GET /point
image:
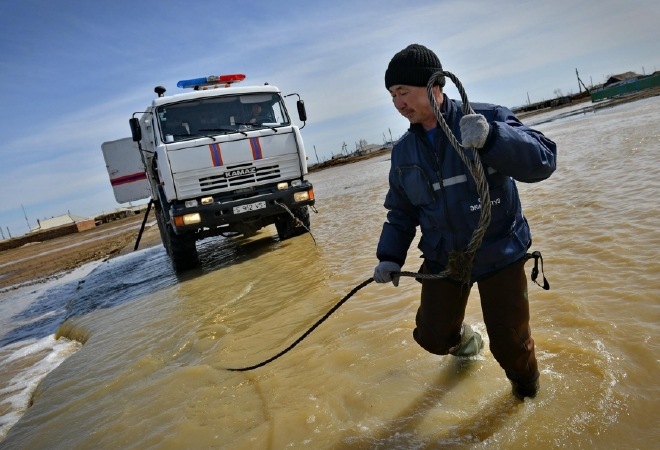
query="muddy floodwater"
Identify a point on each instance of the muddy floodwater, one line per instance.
(141, 356)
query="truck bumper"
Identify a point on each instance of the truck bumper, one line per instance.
(225, 213)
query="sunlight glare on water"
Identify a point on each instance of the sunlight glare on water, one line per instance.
(151, 371)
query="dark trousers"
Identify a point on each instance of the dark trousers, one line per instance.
(505, 308)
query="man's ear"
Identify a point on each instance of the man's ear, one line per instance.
(437, 93)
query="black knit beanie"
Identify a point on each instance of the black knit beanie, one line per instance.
(413, 66)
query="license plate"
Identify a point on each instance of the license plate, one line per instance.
(249, 207)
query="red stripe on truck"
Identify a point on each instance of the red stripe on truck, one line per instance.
(128, 178)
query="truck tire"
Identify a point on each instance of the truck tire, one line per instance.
(180, 248)
(288, 227)
(161, 224)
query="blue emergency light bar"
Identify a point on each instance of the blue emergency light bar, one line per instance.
(211, 81)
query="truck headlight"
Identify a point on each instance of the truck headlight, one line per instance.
(191, 203)
(282, 186)
(187, 219)
(303, 196)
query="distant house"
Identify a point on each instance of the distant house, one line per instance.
(76, 223)
(624, 84)
(613, 79)
(52, 228)
(120, 213)
(369, 148)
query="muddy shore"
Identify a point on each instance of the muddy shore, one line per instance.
(39, 261)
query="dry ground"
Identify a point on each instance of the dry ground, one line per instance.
(38, 261)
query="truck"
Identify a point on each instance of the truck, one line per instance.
(217, 159)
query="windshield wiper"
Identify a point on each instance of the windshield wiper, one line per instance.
(182, 137)
(257, 126)
(225, 130)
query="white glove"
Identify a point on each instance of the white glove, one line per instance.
(383, 273)
(474, 130)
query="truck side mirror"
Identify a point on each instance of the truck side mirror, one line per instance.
(136, 131)
(302, 114)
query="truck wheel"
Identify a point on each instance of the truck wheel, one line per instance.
(180, 248)
(288, 227)
(161, 224)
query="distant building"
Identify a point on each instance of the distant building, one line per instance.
(66, 224)
(50, 229)
(621, 77)
(120, 213)
(369, 148)
(71, 220)
(624, 84)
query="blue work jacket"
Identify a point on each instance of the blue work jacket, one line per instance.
(431, 187)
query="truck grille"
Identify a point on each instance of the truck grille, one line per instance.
(213, 180)
(229, 181)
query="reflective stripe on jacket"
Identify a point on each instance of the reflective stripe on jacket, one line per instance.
(433, 189)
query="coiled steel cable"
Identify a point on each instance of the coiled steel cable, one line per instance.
(460, 262)
(459, 266)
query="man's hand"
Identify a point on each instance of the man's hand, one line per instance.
(383, 273)
(474, 130)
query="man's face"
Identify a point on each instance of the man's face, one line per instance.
(412, 102)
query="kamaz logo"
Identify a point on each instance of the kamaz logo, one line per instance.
(240, 172)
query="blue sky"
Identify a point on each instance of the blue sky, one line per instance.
(72, 72)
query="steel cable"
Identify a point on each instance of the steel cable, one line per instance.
(460, 262)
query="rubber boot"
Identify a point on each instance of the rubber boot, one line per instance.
(530, 388)
(470, 344)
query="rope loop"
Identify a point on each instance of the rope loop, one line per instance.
(459, 265)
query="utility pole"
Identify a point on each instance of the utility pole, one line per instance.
(3, 234)
(580, 83)
(26, 219)
(317, 155)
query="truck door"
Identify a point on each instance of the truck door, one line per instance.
(126, 170)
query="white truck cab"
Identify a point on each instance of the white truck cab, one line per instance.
(216, 159)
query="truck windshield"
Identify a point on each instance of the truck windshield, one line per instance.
(220, 115)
